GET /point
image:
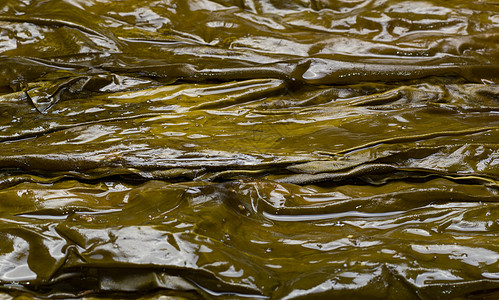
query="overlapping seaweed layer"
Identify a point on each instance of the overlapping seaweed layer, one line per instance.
(249, 149)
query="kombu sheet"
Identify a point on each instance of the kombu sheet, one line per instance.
(263, 149)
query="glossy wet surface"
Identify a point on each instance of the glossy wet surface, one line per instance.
(249, 149)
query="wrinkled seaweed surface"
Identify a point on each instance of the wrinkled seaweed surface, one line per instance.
(282, 149)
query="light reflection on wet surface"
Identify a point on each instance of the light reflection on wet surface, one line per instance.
(249, 149)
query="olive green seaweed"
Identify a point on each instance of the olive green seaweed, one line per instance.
(256, 149)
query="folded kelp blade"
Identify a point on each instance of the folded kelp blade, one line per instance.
(233, 129)
(111, 238)
(48, 93)
(120, 98)
(315, 71)
(383, 40)
(249, 149)
(53, 84)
